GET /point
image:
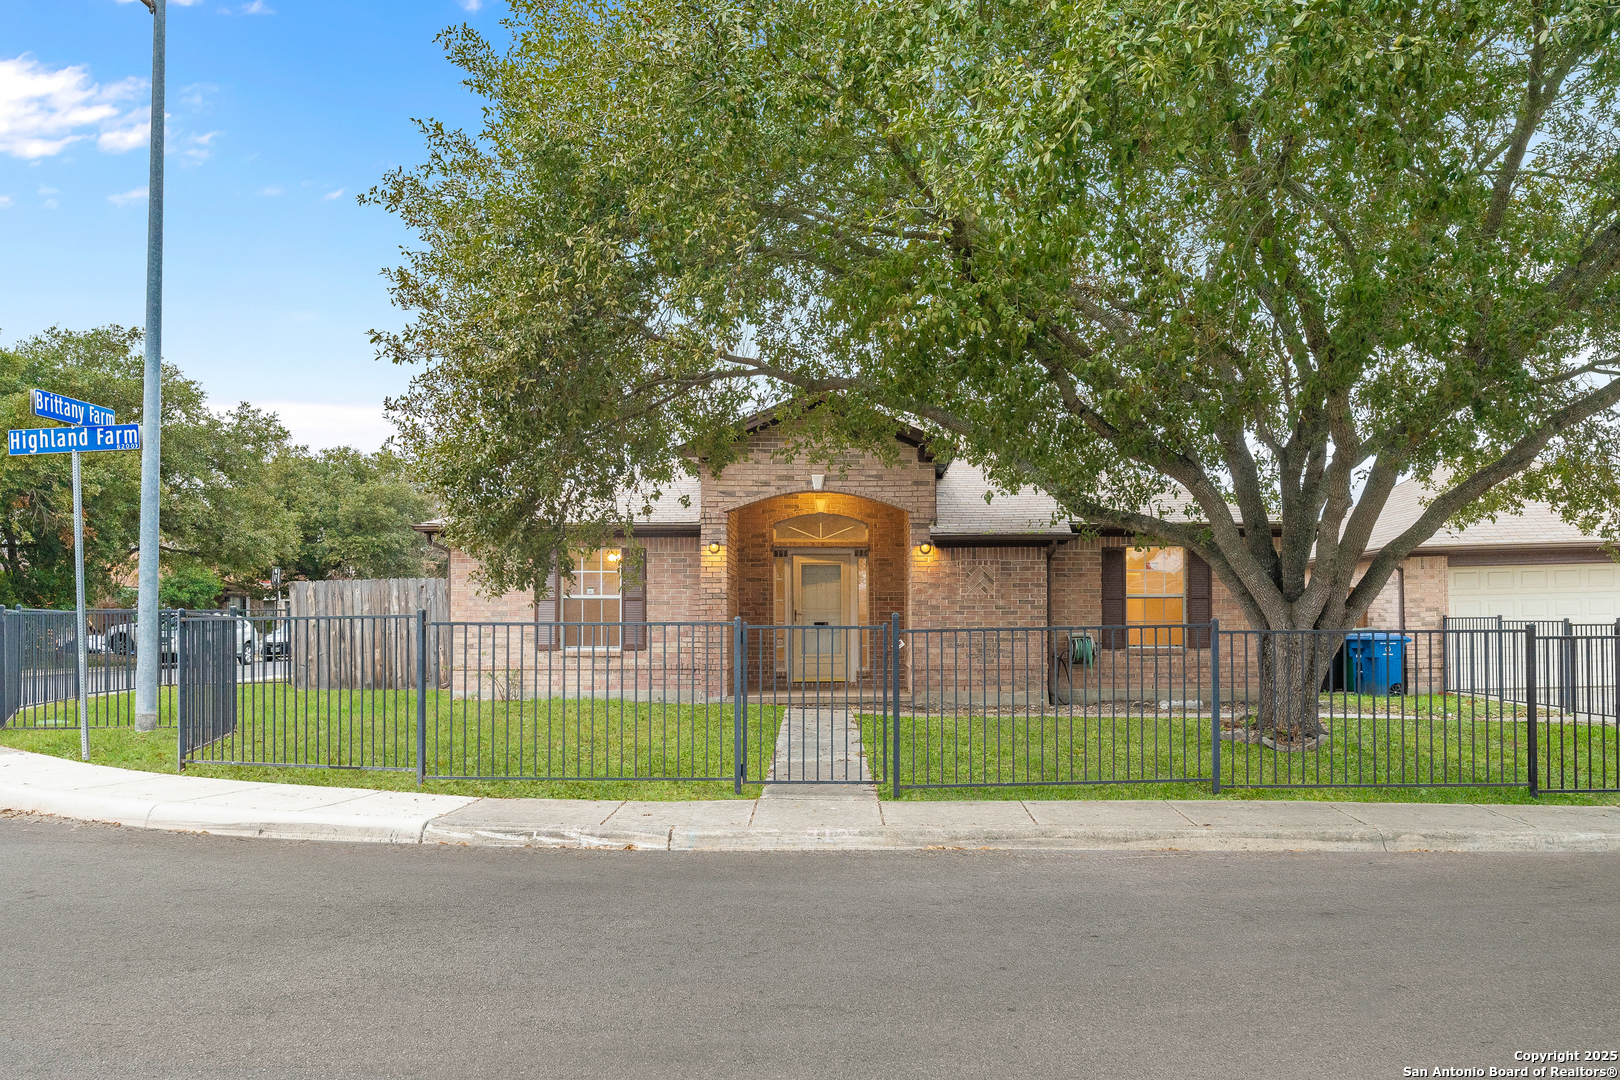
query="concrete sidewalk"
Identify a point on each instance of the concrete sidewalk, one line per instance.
(809, 818)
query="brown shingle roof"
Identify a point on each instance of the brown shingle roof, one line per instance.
(1537, 526)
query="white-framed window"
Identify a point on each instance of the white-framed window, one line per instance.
(593, 594)
(1155, 594)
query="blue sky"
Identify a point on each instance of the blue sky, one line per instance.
(279, 113)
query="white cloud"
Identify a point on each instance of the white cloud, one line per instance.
(470, 5)
(42, 112)
(5, 201)
(273, 189)
(319, 424)
(338, 194)
(43, 190)
(199, 147)
(257, 7)
(137, 131)
(124, 198)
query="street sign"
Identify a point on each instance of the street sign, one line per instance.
(69, 410)
(65, 440)
(95, 431)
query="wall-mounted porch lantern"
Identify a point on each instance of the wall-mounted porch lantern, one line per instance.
(925, 548)
(818, 481)
(714, 547)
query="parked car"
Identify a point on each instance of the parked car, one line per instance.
(93, 642)
(276, 645)
(121, 639)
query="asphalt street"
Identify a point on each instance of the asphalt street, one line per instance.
(153, 955)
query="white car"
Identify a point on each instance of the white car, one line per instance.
(275, 645)
(121, 639)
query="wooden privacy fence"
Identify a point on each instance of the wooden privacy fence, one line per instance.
(332, 650)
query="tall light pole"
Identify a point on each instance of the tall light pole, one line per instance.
(148, 650)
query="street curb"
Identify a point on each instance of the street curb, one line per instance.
(1028, 838)
(219, 820)
(340, 821)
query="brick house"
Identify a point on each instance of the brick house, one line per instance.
(782, 542)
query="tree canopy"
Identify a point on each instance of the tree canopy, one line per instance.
(1272, 254)
(238, 495)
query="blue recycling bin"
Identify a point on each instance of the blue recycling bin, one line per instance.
(1379, 658)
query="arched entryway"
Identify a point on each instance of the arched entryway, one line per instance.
(819, 559)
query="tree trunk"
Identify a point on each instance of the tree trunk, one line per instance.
(1293, 667)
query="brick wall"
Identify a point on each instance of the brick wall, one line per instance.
(1077, 583)
(674, 578)
(979, 587)
(1427, 595)
(469, 604)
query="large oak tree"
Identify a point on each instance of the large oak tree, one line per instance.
(1218, 272)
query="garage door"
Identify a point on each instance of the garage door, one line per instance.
(1580, 592)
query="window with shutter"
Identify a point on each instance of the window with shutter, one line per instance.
(1113, 597)
(546, 635)
(1155, 595)
(633, 605)
(1200, 607)
(592, 601)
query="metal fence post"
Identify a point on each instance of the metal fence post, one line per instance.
(739, 688)
(1566, 669)
(182, 698)
(1614, 673)
(421, 696)
(894, 697)
(1215, 705)
(1530, 663)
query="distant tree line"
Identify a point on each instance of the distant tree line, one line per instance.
(239, 496)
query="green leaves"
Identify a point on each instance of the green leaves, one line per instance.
(1247, 249)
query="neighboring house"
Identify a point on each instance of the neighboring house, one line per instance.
(1531, 565)
(780, 542)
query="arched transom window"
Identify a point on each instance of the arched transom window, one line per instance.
(821, 529)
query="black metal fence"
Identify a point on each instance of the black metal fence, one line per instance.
(39, 679)
(1014, 707)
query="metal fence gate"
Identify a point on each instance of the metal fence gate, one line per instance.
(207, 679)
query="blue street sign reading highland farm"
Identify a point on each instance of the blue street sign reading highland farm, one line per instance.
(65, 440)
(70, 411)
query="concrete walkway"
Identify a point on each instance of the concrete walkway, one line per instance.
(820, 780)
(820, 817)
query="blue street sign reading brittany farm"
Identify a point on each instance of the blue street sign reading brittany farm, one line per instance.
(69, 410)
(65, 440)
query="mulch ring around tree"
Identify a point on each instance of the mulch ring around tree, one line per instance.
(1246, 729)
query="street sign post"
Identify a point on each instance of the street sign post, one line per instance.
(95, 430)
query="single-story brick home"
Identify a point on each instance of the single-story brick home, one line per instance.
(781, 542)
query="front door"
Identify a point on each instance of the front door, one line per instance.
(822, 587)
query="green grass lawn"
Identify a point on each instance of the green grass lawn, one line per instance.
(583, 749)
(1420, 706)
(1112, 757)
(529, 749)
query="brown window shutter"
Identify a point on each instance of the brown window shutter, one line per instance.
(633, 606)
(1198, 602)
(547, 613)
(1113, 597)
